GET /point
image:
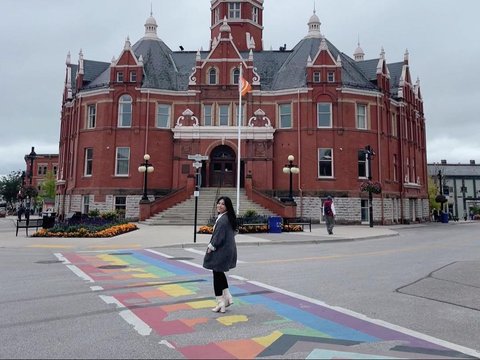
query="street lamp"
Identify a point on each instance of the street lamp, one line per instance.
(30, 157)
(145, 168)
(369, 153)
(291, 169)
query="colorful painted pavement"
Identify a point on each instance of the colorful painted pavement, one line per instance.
(171, 298)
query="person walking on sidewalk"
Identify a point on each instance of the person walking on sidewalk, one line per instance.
(328, 211)
(221, 255)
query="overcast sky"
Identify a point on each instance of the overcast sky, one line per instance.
(440, 35)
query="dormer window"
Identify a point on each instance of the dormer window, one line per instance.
(234, 10)
(255, 13)
(212, 76)
(120, 76)
(331, 76)
(316, 77)
(133, 76)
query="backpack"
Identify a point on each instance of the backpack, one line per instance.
(328, 208)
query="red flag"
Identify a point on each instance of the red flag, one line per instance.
(244, 86)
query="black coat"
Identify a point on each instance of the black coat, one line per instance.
(224, 257)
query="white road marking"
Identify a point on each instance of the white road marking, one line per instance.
(167, 344)
(61, 258)
(138, 324)
(195, 251)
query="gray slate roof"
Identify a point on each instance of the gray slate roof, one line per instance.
(278, 70)
(451, 170)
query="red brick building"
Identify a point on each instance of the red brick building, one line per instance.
(312, 101)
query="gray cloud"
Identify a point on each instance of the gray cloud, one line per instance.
(36, 36)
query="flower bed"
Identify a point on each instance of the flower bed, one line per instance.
(251, 229)
(86, 231)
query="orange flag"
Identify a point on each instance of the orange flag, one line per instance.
(244, 86)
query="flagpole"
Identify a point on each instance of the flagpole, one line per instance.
(239, 122)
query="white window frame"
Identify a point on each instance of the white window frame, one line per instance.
(122, 159)
(88, 167)
(331, 76)
(119, 206)
(235, 10)
(235, 76)
(323, 154)
(91, 116)
(133, 76)
(85, 204)
(255, 14)
(221, 114)
(394, 125)
(285, 114)
(362, 118)
(244, 114)
(319, 115)
(217, 15)
(119, 76)
(164, 118)
(317, 76)
(208, 114)
(212, 75)
(125, 111)
(362, 162)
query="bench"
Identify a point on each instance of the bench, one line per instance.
(298, 221)
(29, 224)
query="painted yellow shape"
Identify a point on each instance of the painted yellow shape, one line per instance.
(144, 276)
(134, 269)
(126, 246)
(46, 246)
(232, 319)
(114, 260)
(175, 290)
(202, 304)
(269, 339)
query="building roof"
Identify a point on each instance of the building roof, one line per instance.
(451, 170)
(278, 70)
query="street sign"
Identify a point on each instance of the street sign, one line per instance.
(197, 165)
(197, 157)
(196, 193)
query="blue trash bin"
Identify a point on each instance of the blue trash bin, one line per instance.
(444, 218)
(274, 224)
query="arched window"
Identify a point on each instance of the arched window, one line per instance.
(125, 111)
(212, 76)
(235, 76)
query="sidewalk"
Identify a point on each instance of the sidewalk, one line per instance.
(151, 236)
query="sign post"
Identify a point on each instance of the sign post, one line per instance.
(197, 164)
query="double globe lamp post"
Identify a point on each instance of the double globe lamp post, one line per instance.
(145, 168)
(291, 169)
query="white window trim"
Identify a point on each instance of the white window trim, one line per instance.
(86, 163)
(116, 161)
(233, 10)
(366, 166)
(280, 116)
(120, 112)
(318, 116)
(216, 76)
(331, 162)
(169, 116)
(219, 106)
(357, 116)
(212, 117)
(90, 117)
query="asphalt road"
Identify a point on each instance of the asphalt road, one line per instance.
(63, 304)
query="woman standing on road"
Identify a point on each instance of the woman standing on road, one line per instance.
(221, 254)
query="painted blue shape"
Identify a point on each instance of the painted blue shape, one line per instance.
(332, 329)
(177, 270)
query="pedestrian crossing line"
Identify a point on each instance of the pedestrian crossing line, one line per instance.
(265, 321)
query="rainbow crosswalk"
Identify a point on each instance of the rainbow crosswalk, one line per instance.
(170, 298)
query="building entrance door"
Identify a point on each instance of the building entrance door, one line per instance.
(222, 167)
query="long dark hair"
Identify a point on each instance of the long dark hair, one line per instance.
(232, 218)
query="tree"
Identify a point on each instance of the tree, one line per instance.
(432, 194)
(48, 187)
(10, 186)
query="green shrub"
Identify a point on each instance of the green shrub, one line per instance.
(109, 215)
(94, 213)
(250, 213)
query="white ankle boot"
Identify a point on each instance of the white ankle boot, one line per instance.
(220, 305)
(228, 298)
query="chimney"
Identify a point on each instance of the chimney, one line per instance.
(472, 162)
(443, 162)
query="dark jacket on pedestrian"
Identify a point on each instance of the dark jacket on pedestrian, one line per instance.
(224, 257)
